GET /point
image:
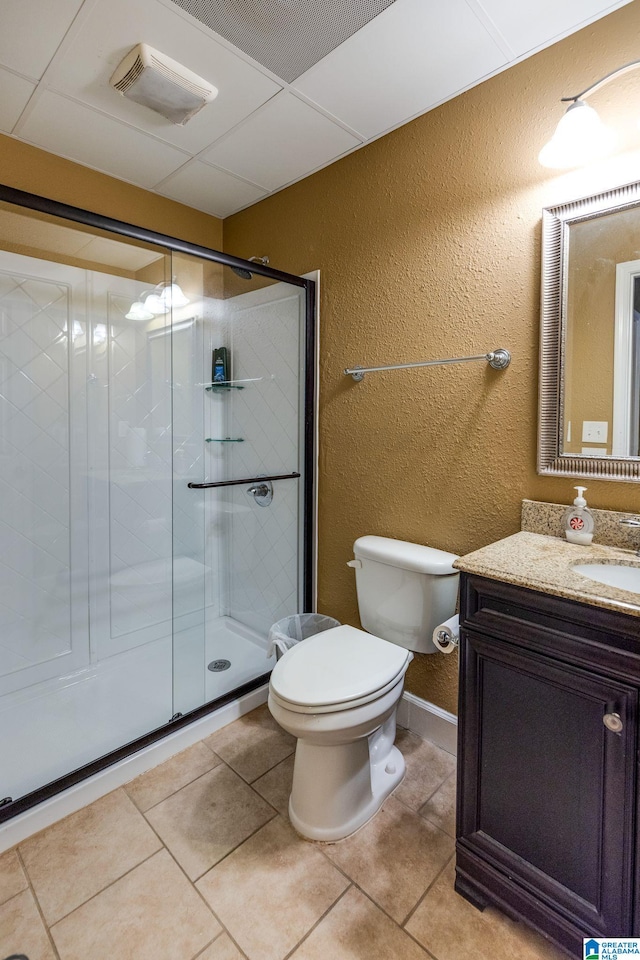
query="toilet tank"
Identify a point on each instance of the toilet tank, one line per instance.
(404, 590)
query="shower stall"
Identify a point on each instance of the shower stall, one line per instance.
(156, 485)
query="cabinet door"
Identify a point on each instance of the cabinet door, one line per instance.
(546, 789)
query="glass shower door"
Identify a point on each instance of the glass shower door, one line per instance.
(239, 400)
(85, 507)
(155, 511)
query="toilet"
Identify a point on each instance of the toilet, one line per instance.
(338, 691)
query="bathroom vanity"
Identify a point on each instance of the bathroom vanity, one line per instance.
(547, 817)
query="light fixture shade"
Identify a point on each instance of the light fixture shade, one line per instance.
(138, 311)
(173, 297)
(165, 297)
(579, 138)
(155, 305)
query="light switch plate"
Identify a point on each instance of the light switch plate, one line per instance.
(594, 431)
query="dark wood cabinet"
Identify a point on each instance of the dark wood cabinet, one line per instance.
(547, 773)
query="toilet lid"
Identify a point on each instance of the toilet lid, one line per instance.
(337, 666)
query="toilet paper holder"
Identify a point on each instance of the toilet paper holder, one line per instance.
(446, 635)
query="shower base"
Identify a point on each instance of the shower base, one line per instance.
(226, 639)
(53, 728)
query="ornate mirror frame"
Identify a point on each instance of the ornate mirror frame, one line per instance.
(555, 258)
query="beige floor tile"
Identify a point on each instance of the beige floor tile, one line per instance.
(151, 914)
(158, 784)
(394, 857)
(427, 767)
(253, 744)
(205, 820)
(355, 929)
(22, 929)
(82, 854)
(275, 786)
(270, 891)
(440, 809)
(12, 878)
(452, 929)
(222, 949)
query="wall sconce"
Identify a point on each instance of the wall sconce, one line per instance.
(138, 311)
(581, 136)
(163, 298)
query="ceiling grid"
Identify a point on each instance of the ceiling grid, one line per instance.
(301, 83)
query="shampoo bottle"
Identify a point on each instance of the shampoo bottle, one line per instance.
(578, 520)
(220, 366)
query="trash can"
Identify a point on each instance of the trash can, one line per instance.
(291, 630)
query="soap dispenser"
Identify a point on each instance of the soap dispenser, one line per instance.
(578, 520)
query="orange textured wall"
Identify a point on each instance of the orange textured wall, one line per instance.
(27, 168)
(428, 242)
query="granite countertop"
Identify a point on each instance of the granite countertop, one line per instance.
(544, 563)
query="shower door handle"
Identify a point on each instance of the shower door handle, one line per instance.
(262, 493)
(260, 490)
(234, 483)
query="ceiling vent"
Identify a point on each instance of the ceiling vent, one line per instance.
(162, 84)
(285, 36)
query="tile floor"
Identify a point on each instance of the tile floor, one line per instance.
(196, 859)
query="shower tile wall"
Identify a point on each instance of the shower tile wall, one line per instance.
(34, 477)
(265, 330)
(154, 535)
(195, 568)
(85, 457)
(214, 505)
(137, 485)
(192, 582)
(35, 536)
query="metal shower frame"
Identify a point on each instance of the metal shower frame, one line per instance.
(20, 198)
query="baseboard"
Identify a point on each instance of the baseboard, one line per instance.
(73, 799)
(428, 721)
(419, 716)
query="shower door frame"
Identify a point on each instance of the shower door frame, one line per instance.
(45, 205)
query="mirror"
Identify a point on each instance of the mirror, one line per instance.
(589, 415)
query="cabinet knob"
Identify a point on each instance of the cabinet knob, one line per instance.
(613, 722)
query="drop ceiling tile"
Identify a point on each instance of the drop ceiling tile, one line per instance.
(113, 253)
(204, 187)
(110, 31)
(31, 32)
(71, 130)
(410, 57)
(15, 96)
(34, 234)
(526, 26)
(284, 140)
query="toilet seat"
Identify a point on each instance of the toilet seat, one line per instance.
(338, 669)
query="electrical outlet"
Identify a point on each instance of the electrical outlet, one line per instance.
(594, 431)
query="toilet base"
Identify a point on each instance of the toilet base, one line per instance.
(347, 791)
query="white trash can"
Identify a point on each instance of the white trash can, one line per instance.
(291, 630)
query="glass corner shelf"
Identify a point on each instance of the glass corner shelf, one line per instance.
(230, 385)
(224, 439)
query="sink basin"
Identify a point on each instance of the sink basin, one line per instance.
(613, 574)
